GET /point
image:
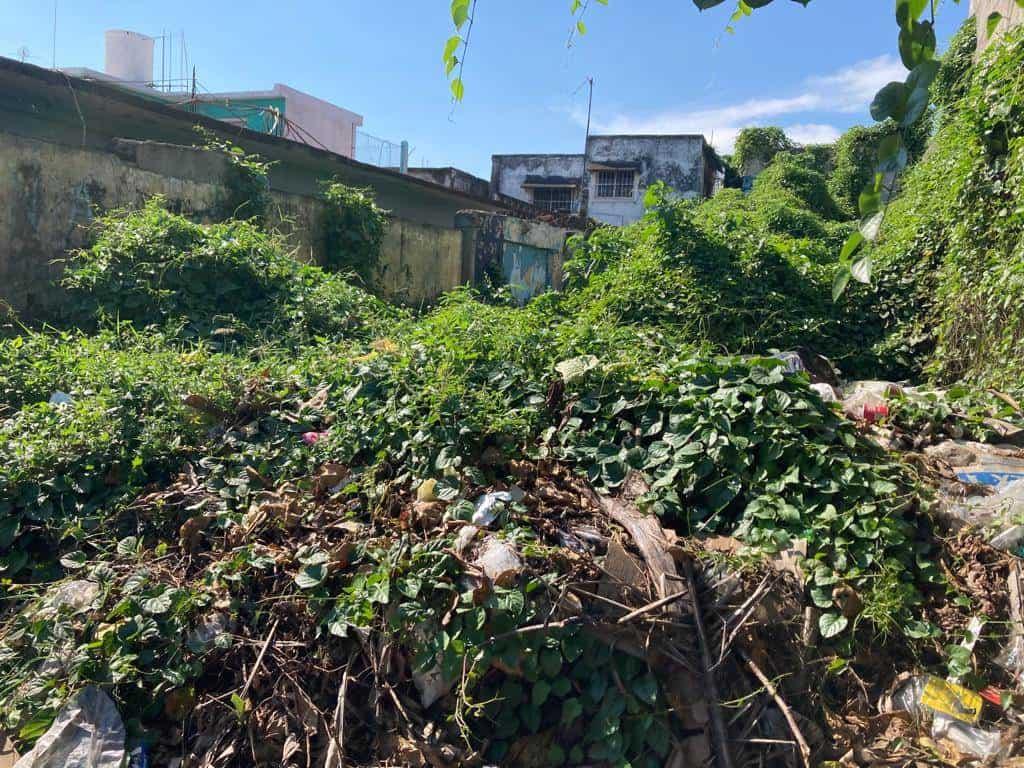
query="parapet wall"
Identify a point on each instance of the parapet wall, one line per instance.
(51, 192)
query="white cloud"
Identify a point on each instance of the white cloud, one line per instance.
(812, 133)
(851, 88)
(846, 90)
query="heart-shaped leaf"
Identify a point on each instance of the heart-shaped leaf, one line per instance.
(831, 624)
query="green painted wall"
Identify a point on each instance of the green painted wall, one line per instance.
(255, 112)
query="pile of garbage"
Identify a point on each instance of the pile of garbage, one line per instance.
(485, 535)
(530, 611)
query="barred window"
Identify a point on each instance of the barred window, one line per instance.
(615, 183)
(558, 199)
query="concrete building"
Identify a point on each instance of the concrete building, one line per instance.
(280, 111)
(609, 181)
(1011, 11)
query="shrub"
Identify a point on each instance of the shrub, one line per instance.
(820, 157)
(757, 147)
(792, 180)
(352, 229)
(856, 158)
(954, 76)
(981, 284)
(66, 468)
(245, 192)
(229, 280)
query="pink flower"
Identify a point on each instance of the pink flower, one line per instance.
(312, 438)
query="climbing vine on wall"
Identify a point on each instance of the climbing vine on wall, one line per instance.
(353, 230)
(760, 145)
(246, 185)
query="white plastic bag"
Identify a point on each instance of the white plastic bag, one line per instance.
(87, 733)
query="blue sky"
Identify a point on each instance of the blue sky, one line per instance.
(659, 66)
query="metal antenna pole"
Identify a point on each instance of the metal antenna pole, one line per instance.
(54, 34)
(585, 181)
(590, 104)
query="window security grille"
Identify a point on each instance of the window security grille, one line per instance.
(557, 199)
(615, 183)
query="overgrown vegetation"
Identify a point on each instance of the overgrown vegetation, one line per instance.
(227, 282)
(222, 441)
(449, 398)
(856, 155)
(245, 187)
(949, 249)
(352, 228)
(756, 147)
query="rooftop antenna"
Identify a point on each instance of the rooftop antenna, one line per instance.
(54, 34)
(585, 187)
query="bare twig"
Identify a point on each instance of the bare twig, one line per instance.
(536, 628)
(805, 751)
(259, 659)
(744, 612)
(718, 727)
(580, 592)
(336, 749)
(1006, 399)
(651, 607)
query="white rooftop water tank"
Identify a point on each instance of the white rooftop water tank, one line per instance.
(129, 56)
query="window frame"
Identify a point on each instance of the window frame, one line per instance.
(548, 205)
(610, 184)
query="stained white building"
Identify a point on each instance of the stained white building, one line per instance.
(609, 181)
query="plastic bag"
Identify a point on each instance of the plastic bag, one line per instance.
(866, 405)
(792, 362)
(87, 733)
(1011, 658)
(968, 738)
(953, 710)
(487, 509)
(827, 391)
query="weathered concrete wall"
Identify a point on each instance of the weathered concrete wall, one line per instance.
(528, 255)
(419, 262)
(682, 162)
(40, 104)
(453, 178)
(1012, 13)
(509, 172)
(676, 160)
(49, 193)
(69, 147)
(541, 236)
